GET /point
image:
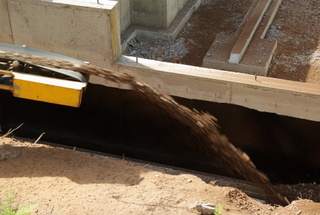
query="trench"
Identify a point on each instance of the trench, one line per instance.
(118, 122)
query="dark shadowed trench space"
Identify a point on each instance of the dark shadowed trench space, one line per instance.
(116, 121)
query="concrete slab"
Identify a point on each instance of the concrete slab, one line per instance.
(259, 52)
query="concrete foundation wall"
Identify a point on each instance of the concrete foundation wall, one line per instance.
(294, 99)
(81, 30)
(6, 34)
(91, 32)
(158, 14)
(173, 8)
(154, 14)
(125, 14)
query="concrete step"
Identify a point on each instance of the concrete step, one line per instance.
(255, 52)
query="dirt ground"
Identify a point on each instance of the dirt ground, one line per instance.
(62, 181)
(296, 29)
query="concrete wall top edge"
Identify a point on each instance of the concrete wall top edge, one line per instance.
(86, 33)
(220, 75)
(103, 4)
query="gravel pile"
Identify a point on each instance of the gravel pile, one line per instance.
(156, 49)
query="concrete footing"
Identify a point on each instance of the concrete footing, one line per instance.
(170, 33)
(283, 97)
(246, 51)
(247, 33)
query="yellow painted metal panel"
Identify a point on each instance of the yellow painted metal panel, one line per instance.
(2, 86)
(48, 90)
(6, 87)
(5, 72)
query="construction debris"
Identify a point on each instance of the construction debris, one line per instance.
(204, 208)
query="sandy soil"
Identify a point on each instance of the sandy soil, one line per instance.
(296, 28)
(63, 181)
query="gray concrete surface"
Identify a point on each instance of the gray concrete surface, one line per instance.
(83, 30)
(157, 14)
(125, 14)
(168, 34)
(149, 14)
(173, 8)
(283, 97)
(6, 32)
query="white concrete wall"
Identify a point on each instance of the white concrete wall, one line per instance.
(83, 30)
(295, 99)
